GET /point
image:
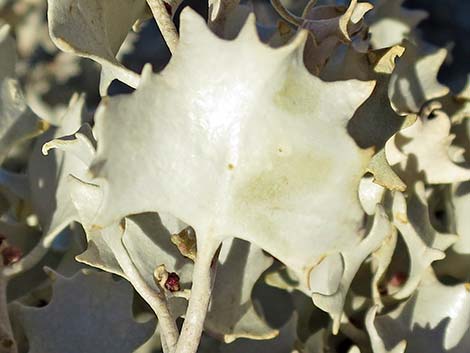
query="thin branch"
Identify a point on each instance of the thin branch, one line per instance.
(32, 258)
(7, 341)
(165, 23)
(156, 300)
(201, 290)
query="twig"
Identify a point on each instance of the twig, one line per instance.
(165, 23)
(32, 258)
(203, 279)
(156, 300)
(7, 341)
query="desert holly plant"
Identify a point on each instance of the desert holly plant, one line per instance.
(286, 177)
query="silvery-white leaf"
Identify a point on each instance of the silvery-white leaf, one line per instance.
(48, 175)
(377, 343)
(435, 319)
(17, 121)
(424, 147)
(370, 194)
(231, 313)
(246, 180)
(381, 259)
(391, 22)
(281, 344)
(414, 81)
(353, 258)
(94, 29)
(89, 312)
(424, 243)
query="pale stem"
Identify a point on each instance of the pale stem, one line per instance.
(127, 76)
(203, 279)
(165, 347)
(165, 23)
(285, 14)
(7, 341)
(32, 258)
(156, 300)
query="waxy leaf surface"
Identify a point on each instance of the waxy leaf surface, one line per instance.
(260, 154)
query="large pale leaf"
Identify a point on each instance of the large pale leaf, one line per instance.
(89, 312)
(257, 154)
(436, 314)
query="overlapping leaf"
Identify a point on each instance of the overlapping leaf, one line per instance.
(414, 81)
(424, 147)
(95, 29)
(424, 243)
(330, 26)
(48, 175)
(391, 22)
(146, 239)
(422, 319)
(17, 121)
(90, 312)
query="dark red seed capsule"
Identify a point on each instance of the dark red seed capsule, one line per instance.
(11, 254)
(173, 282)
(398, 279)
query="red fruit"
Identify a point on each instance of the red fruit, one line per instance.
(11, 254)
(398, 279)
(173, 282)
